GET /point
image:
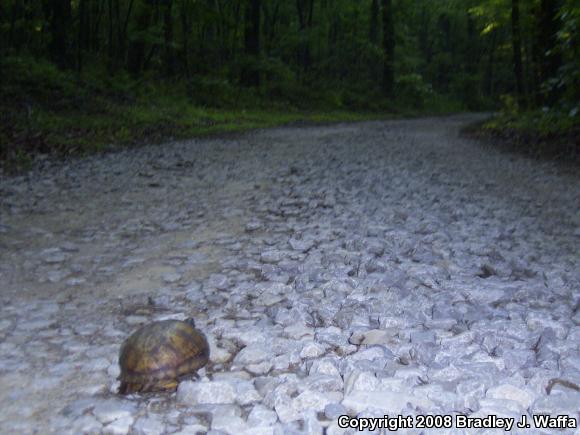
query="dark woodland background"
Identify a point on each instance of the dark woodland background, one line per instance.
(82, 75)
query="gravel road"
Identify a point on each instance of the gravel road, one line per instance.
(356, 269)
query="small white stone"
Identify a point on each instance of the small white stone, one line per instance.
(253, 226)
(334, 410)
(439, 395)
(268, 300)
(312, 350)
(505, 404)
(86, 424)
(78, 408)
(377, 336)
(246, 393)
(151, 425)
(229, 424)
(323, 383)
(371, 353)
(560, 403)
(96, 364)
(55, 276)
(388, 402)
(171, 277)
(271, 256)
(113, 409)
(410, 373)
(246, 337)
(281, 362)
(32, 325)
(524, 397)
(53, 256)
(423, 337)
(120, 426)
(361, 381)
(472, 390)
(217, 392)
(253, 354)
(262, 416)
(348, 349)
(136, 320)
(114, 370)
(301, 245)
(311, 424)
(191, 429)
(334, 429)
(259, 369)
(218, 281)
(311, 400)
(217, 354)
(233, 376)
(299, 331)
(286, 412)
(324, 366)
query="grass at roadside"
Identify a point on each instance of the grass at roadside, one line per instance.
(40, 131)
(540, 134)
(44, 110)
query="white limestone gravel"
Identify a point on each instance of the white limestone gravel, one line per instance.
(361, 269)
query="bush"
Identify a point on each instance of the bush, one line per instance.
(412, 90)
(40, 79)
(213, 92)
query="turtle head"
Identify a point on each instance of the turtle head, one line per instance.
(191, 321)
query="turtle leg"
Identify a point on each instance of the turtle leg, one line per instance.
(123, 388)
(129, 388)
(168, 385)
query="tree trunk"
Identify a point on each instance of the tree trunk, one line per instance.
(445, 48)
(251, 75)
(374, 65)
(490, 64)
(83, 29)
(471, 53)
(305, 9)
(124, 29)
(110, 47)
(169, 52)
(550, 59)
(96, 31)
(136, 55)
(59, 24)
(388, 49)
(185, 32)
(374, 25)
(271, 15)
(425, 40)
(16, 13)
(517, 52)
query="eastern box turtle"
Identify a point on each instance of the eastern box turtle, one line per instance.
(156, 356)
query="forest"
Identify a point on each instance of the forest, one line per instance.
(260, 217)
(80, 75)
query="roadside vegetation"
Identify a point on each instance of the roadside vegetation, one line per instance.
(48, 111)
(83, 76)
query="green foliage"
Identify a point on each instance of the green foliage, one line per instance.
(50, 118)
(214, 92)
(130, 69)
(568, 78)
(412, 90)
(510, 106)
(39, 79)
(538, 133)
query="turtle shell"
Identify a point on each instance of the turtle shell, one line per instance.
(156, 356)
